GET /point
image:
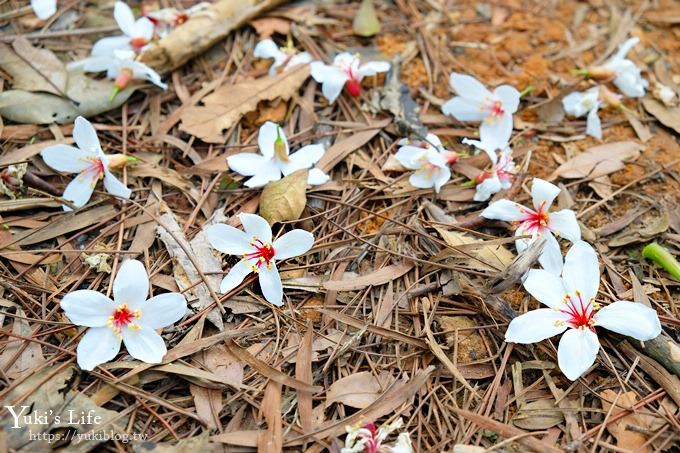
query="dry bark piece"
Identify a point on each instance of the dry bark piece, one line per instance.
(228, 103)
(202, 31)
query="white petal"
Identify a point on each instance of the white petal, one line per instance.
(107, 46)
(433, 141)
(305, 157)
(546, 288)
(131, 285)
(298, 59)
(124, 18)
(581, 271)
(44, 8)
(487, 188)
(269, 133)
(410, 156)
(248, 164)
(98, 345)
(464, 109)
(270, 283)
(67, 159)
(594, 125)
(440, 177)
(142, 28)
(564, 223)
(422, 179)
(506, 210)
(624, 48)
(316, 177)
(142, 71)
(266, 49)
(256, 227)
(573, 104)
(631, 83)
(87, 308)
(114, 186)
(144, 344)
(631, 319)
(85, 135)
(536, 325)
(509, 97)
(163, 310)
(228, 239)
(496, 131)
(543, 194)
(331, 78)
(93, 64)
(80, 189)
(551, 256)
(293, 243)
(371, 68)
(577, 352)
(468, 87)
(235, 276)
(267, 172)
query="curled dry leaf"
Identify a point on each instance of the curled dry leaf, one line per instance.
(668, 116)
(33, 69)
(599, 160)
(366, 21)
(489, 257)
(284, 199)
(379, 277)
(228, 103)
(358, 390)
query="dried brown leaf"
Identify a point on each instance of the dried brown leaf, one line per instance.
(599, 160)
(284, 199)
(668, 116)
(379, 277)
(358, 390)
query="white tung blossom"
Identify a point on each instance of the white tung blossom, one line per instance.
(136, 33)
(588, 102)
(88, 161)
(259, 253)
(473, 102)
(346, 71)
(538, 221)
(121, 67)
(501, 173)
(129, 318)
(284, 58)
(368, 438)
(572, 308)
(627, 76)
(276, 160)
(430, 161)
(44, 9)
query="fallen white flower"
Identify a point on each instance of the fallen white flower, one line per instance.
(477, 104)
(275, 159)
(128, 317)
(346, 71)
(430, 161)
(501, 173)
(44, 9)
(136, 33)
(572, 307)
(588, 102)
(284, 57)
(259, 253)
(89, 161)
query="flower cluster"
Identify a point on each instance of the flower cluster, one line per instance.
(117, 55)
(625, 75)
(370, 439)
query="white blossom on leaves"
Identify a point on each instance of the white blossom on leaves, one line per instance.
(129, 318)
(627, 76)
(502, 171)
(136, 33)
(473, 102)
(275, 159)
(430, 161)
(588, 102)
(44, 9)
(88, 161)
(368, 438)
(258, 251)
(346, 71)
(538, 221)
(284, 57)
(572, 308)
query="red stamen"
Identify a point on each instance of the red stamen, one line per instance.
(535, 221)
(496, 108)
(353, 87)
(122, 317)
(263, 254)
(581, 314)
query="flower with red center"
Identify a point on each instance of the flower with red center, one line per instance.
(284, 58)
(166, 19)
(572, 307)
(501, 173)
(259, 254)
(538, 221)
(136, 33)
(370, 439)
(430, 161)
(477, 104)
(89, 161)
(129, 318)
(346, 71)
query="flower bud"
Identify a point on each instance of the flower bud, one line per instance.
(120, 160)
